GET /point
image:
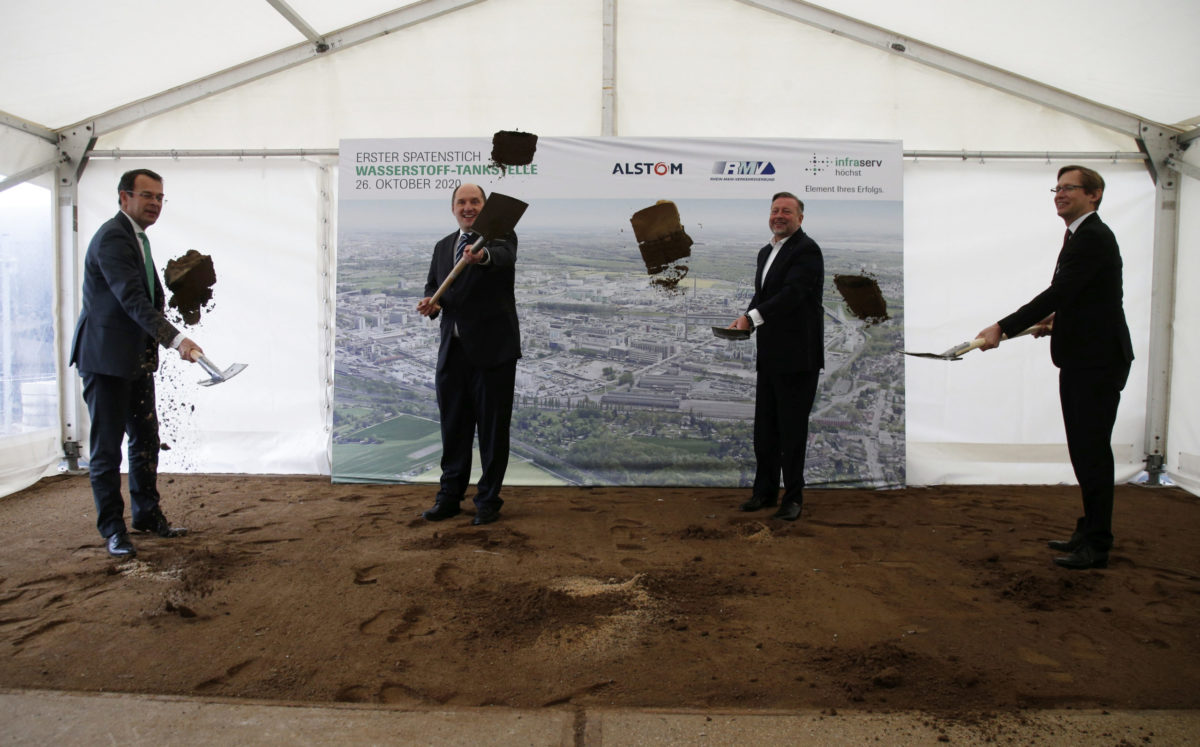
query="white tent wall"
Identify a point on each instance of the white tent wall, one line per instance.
(981, 239)
(264, 222)
(30, 443)
(1183, 430)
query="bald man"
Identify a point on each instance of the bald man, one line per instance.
(477, 359)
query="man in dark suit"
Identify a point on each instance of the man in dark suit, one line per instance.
(115, 350)
(1090, 344)
(477, 359)
(786, 314)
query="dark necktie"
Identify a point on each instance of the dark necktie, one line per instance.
(1058, 264)
(463, 241)
(149, 264)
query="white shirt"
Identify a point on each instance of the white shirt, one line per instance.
(776, 244)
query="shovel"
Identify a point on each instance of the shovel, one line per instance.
(725, 333)
(216, 375)
(958, 351)
(499, 216)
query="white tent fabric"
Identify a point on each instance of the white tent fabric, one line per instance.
(680, 68)
(1183, 433)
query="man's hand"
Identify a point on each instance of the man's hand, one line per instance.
(426, 307)
(1044, 327)
(186, 346)
(742, 322)
(474, 258)
(991, 337)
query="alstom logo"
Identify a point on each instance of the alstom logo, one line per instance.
(648, 169)
(743, 168)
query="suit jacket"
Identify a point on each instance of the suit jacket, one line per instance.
(1085, 297)
(792, 336)
(118, 325)
(481, 302)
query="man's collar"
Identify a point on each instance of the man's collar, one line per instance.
(136, 228)
(1075, 224)
(785, 239)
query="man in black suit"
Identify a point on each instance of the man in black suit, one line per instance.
(1090, 344)
(787, 315)
(115, 350)
(477, 359)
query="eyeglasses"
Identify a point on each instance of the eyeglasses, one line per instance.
(160, 197)
(1068, 188)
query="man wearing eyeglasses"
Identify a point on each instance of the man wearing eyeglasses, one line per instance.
(115, 350)
(1090, 344)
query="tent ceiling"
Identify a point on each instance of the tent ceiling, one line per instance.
(62, 67)
(1137, 57)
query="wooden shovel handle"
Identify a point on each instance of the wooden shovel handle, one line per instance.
(456, 270)
(978, 341)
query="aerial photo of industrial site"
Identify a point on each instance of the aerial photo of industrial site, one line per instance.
(622, 381)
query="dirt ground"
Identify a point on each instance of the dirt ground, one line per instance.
(290, 588)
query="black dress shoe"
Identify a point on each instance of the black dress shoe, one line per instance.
(442, 510)
(1083, 558)
(757, 501)
(158, 524)
(485, 516)
(787, 512)
(119, 546)
(1070, 545)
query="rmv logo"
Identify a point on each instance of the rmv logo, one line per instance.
(743, 168)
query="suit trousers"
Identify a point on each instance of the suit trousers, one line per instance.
(468, 397)
(122, 407)
(782, 404)
(1089, 398)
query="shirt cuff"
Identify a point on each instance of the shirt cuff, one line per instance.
(755, 317)
(179, 338)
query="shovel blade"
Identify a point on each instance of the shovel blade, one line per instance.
(935, 356)
(499, 215)
(225, 375)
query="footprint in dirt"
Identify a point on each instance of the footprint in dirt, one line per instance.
(628, 535)
(392, 693)
(449, 576)
(1082, 646)
(231, 674)
(392, 623)
(331, 523)
(366, 575)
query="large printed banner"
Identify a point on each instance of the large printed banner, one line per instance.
(622, 380)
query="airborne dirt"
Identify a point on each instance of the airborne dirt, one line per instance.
(663, 244)
(513, 148)
(292, 589)
(863, 297)
(190, 279)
